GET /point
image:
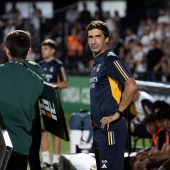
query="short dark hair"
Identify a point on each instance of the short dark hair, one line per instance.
(18, 43)
(49, 42)
(159, 104)
(148, 119)
(99, 25)
(164, 114)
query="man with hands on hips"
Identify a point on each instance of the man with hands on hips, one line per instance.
(111, 91)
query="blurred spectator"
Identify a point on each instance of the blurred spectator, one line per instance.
(139, 62)
(56, 34)
(116, 44)
(97, 15)
(36, 18)
(116, 19)
(161, 33)
(19, 24)
(141, 28)
(10, 26)
(129, 36)
(163, 17)
(154, 60)
(130, 46)
(145, 39)
(36, 21)
(87, 58)
(28, 26)
(125, 23)
(72, 14)
(163, 21)
(109, 21)
(128, 60)
(166, 64)
(149, 21)
(74, 49)
(85, 16)
(129, 52)
(153, 27)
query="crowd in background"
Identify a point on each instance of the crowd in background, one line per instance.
(143, 48)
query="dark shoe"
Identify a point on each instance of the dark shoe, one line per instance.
(55, 166)
(45, 165)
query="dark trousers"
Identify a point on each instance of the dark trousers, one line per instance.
(17, 161)
(34, 159)
(109, 145)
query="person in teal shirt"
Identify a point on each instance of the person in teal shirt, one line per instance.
(20, 89)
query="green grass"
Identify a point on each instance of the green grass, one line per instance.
(141, 143)
(65, 145)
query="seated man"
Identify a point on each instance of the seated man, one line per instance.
(157, 140)
(159, 155)
(141, 106)
(163, 156)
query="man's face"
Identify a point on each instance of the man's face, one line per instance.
(151, 127)
(97, 41)
(47, 52)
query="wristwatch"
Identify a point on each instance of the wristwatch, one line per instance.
(120, 112)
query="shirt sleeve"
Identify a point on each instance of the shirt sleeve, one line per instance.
(161, 139)
(116, 69)
(62, 76)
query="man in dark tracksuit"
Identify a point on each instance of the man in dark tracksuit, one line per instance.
(111, 91)
(55, 74)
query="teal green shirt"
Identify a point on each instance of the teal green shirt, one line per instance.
(20, 89)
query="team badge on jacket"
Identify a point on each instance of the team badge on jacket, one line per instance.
(98, 67)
